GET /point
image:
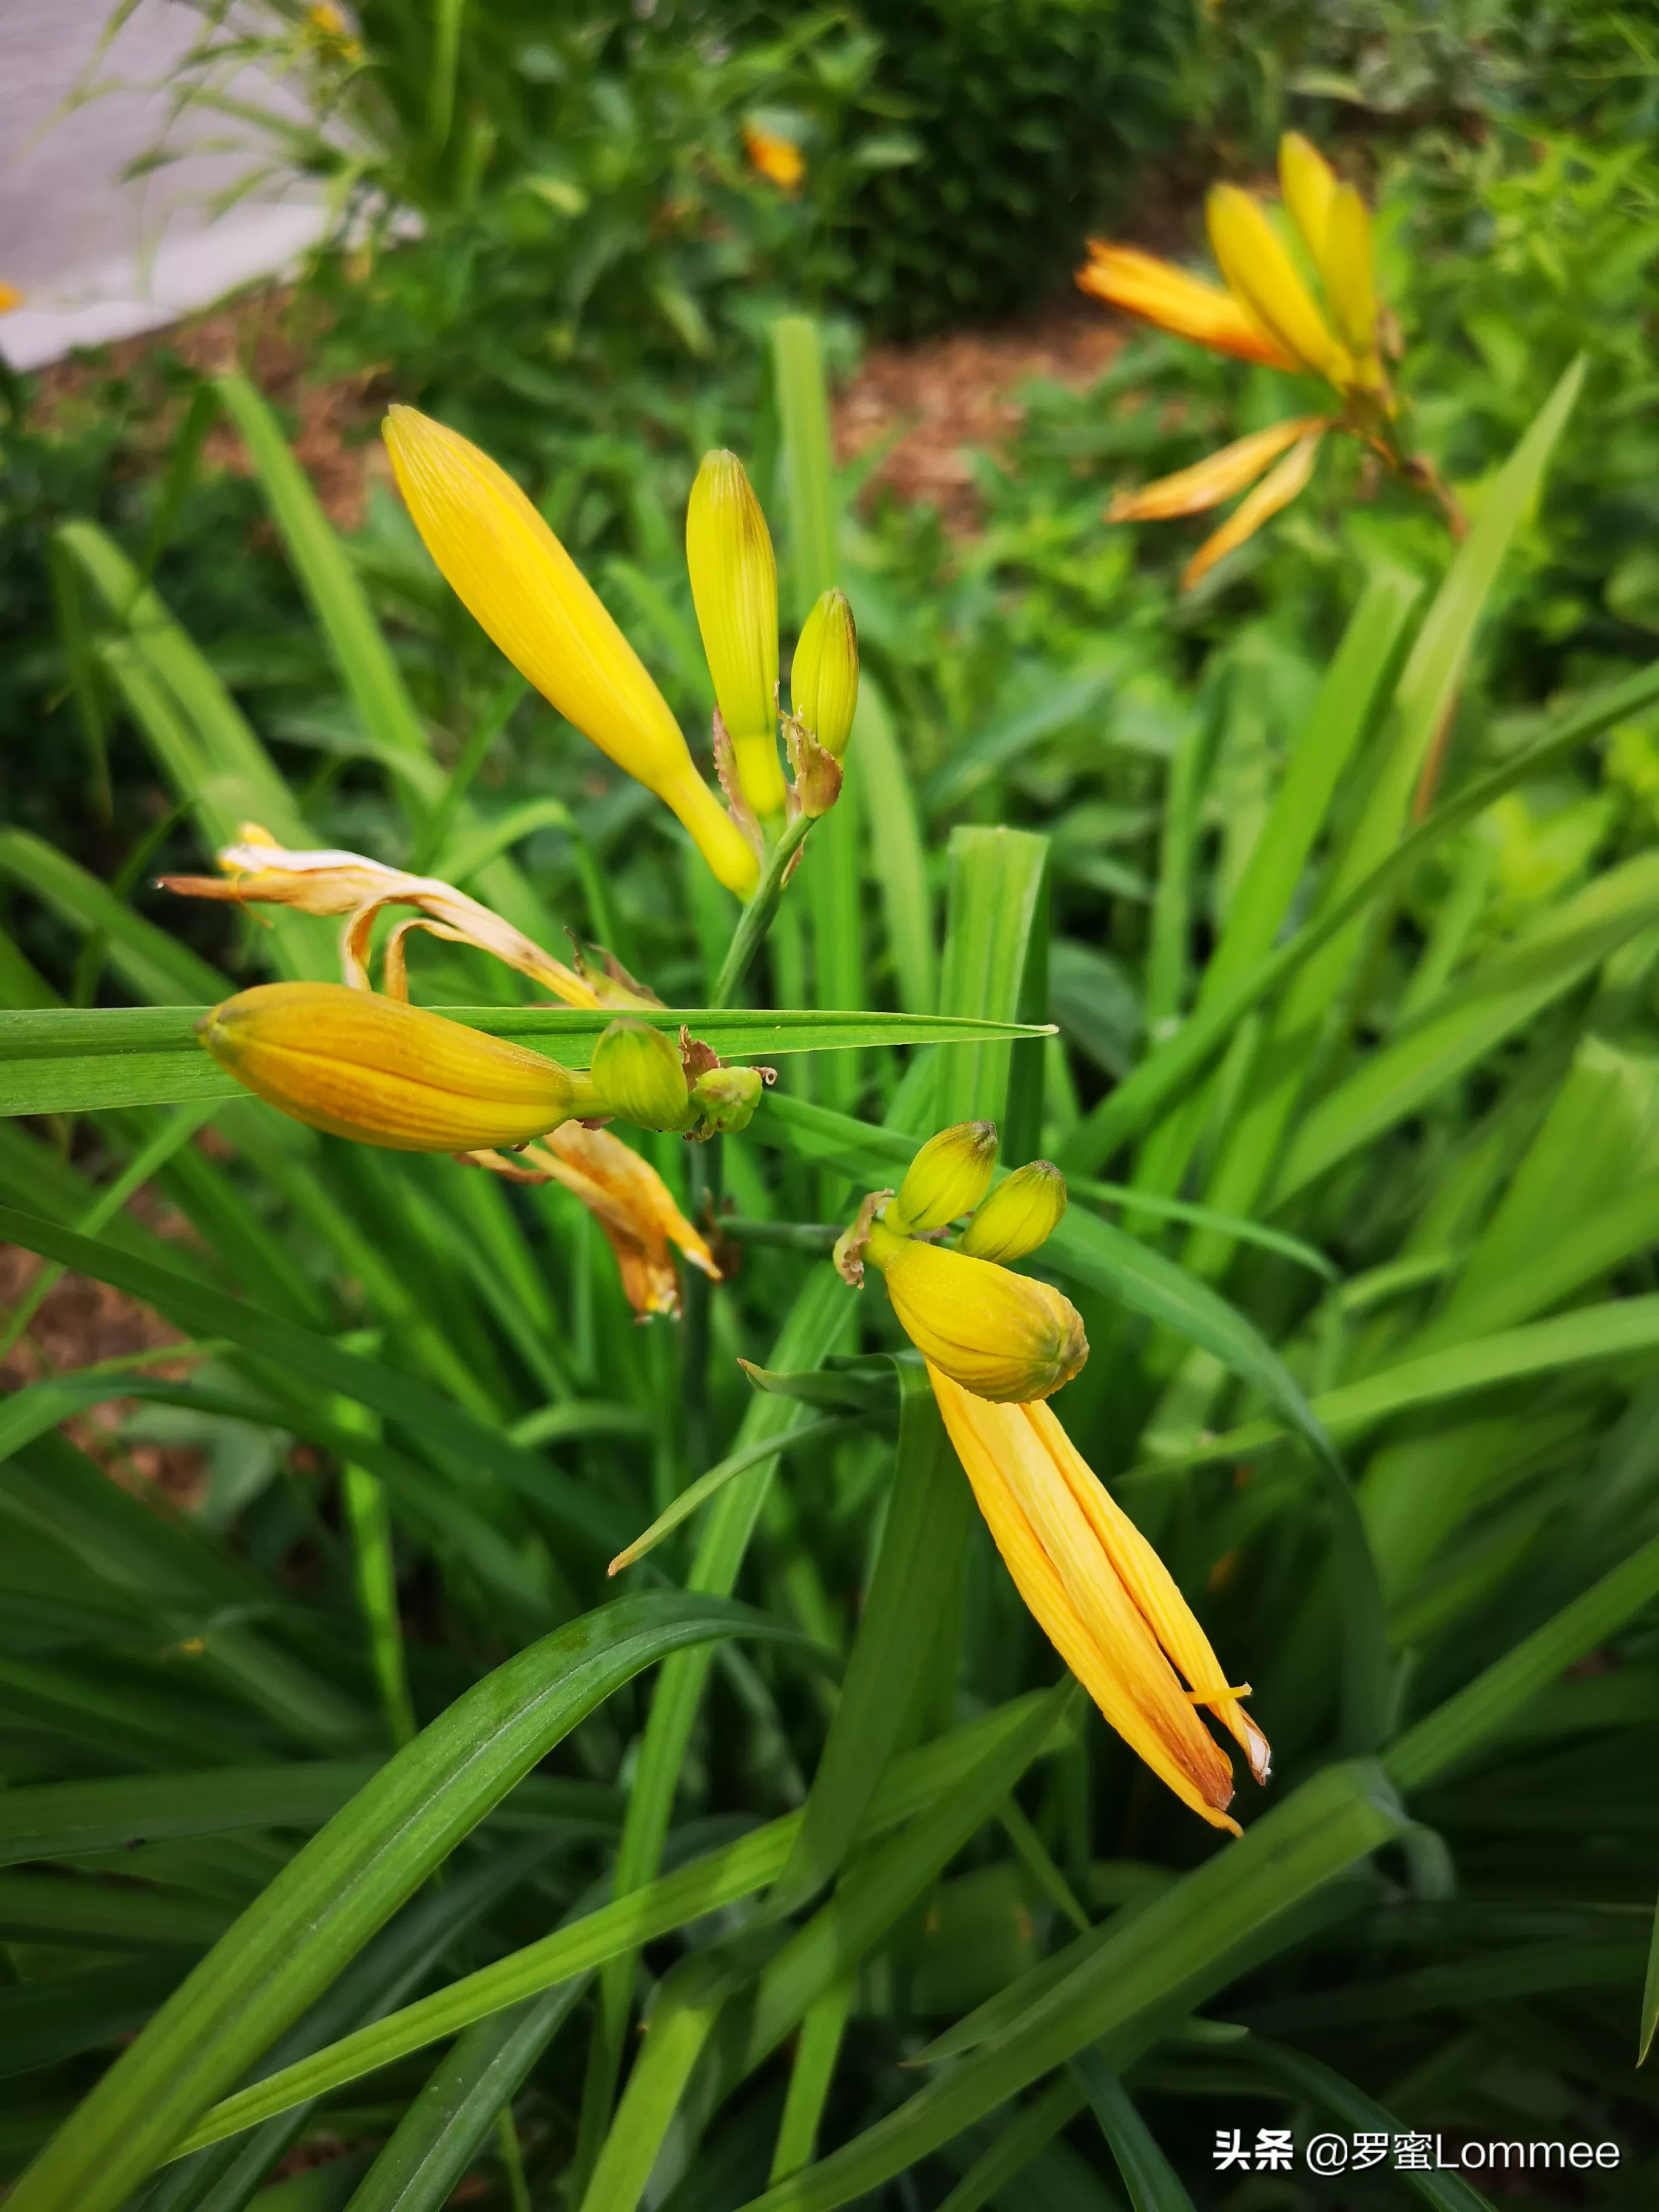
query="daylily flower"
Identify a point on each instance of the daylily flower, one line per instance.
(734, 589)
(996, 1344)
(779, 160)
(628, 1199)
(1102, 1595)
(383, 1073)
(258, 871)
(523, 589)
(1267, 314)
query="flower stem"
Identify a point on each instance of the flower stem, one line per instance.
(757, 916)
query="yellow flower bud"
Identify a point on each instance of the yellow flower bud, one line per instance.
(522, 587)
(1002, 1336)
(734, 587)
(947, 1178)
(638, 1073)
(383, 1072)
(1308, 184)
(823, 678)
(1021, 1213)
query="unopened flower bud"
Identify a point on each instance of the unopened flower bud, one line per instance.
(383, 1073)
(637, 1073)
(824, 678)
(734, 589)
(1002, 1336)
(1022, 1212)
(947, 1178)
(727, 1098)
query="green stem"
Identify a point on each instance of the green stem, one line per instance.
(779, 1235)
(757, 916)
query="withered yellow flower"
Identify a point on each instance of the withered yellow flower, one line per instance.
(1005, 1337)
(523, 589)
(823, 677)
(1268, 313)
(383, 1073)
(734, 589)
(1102, 1595)
(1023, 1212)
(628, 1199)
(258, 871)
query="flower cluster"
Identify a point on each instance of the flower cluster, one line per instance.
(1268, 313)
(525, 591)
(997, 1344)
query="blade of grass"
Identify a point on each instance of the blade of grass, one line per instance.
(1151, 2182)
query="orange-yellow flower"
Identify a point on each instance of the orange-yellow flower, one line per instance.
(628, 1199)
(779, 160)
(382, 1072)
(1267, 314)
(1103, 1596)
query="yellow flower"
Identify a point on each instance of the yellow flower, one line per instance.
(10, 297)
(1268, 313)
(1102, 1595)
(523, 588)
(779, 160)
(947, 1178)
(734, 589)
(1022, 1212)
(386, 1073)
(1003, 1336)
(628, 1199)
(823, 677)
(258, 870)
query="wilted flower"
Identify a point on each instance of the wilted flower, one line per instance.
(1102, 1595)
(523, 589)
(628, 1199)
(1267, 314)
(258, 871)
(383, 1072)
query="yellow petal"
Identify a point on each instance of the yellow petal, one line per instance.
(734, 589)
(1003, 1336)
(1219, 477)
(385, 1073)
(1068, 1581)
(1308, 184)
(1261, 273)
(779, 160)
(1260, 505)
(1176, 301)
(523, 588)
(1345, 266)
(1153, 1588)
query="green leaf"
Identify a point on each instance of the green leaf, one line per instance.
(1152, 2182)
(1310, 2078)
(996, 960)
(616, 1929)
(687, 2005)
(1447, 1737)
(69, 1820)
(929, 1513)
(344, 1884)
(72, 1059)
(1017, 2144)
(898, 859)
(446, 2124)
(1175, 1950)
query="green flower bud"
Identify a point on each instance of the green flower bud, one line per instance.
(823, 678)
(1020, 1214)
(727, 1098)
(948, 1177)
(637, 1073)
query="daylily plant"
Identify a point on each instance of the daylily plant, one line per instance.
(997, 1345)
(1268, 313)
